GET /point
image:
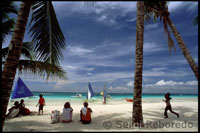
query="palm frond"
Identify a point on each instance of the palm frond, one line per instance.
(8, 7)
(7, 23)
(160, 9)
(41, 69)
(169, 39)
(27, 51)
(46, 34)
(7, 26)
(4, 52)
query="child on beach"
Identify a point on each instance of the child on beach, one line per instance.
(23, 110)
(86, 114)
(168, 105)
(41, 103)
(66, 116)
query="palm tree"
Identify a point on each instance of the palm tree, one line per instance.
(160, 9)
(49, 51)
(137, 116)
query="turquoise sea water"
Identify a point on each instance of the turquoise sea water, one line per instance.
(71, 95)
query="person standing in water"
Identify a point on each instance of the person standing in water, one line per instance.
(168, 106)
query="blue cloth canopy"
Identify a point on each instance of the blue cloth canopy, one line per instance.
(21, 90)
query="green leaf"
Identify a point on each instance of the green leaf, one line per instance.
(46, 34)
(41, 69)
(27, 51)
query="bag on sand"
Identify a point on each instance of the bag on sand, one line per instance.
(55, 116)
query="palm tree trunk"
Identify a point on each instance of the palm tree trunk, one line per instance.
(137, 116)
(183, 47)
(11, 63)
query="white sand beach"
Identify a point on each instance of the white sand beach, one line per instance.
(114, 116)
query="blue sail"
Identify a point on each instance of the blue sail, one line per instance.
(21, 90)
(90, 92)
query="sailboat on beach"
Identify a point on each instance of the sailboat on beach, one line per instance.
(104, 92)
(90, 92)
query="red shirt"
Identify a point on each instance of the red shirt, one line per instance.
(87, 117)
(41, 101)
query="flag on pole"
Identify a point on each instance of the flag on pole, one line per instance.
(21, 90)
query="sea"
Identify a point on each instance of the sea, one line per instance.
(72, 95)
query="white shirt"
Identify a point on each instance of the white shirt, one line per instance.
(67, 114)
(84, 110)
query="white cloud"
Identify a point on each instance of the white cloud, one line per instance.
(130, 84)
(89, 73)
(78, 50)
(147, 73)
(110, 88)
(151, 26)
(121, 89)
(64, 82)
(159, 69)
(191, 83)
(69, 67)
(131, 20)
(102, 18)
(193, 5)
(100, 77)
(171, 83)
(151, 47)
(97, 7)
(175, 5)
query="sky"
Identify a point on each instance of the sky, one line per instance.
(101, 40)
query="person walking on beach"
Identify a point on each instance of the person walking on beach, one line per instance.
(66, 116)
(168, 106)
(86, 114)
(41, 103)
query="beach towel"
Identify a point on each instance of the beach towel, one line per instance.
(13, 113)
(55, 116)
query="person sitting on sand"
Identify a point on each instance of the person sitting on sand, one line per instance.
(41, 103)
(66, 116)
(168, 106)
(13, 111)
(23, 109)
(86, 114)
